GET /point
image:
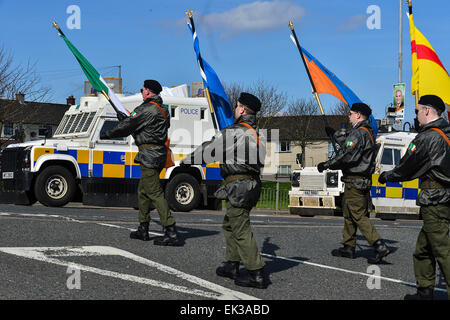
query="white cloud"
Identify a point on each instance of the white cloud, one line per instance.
(253, 17)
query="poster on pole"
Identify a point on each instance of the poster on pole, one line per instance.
(399, 100)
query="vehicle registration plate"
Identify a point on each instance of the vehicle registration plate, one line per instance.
(311, 192)
(8, 175)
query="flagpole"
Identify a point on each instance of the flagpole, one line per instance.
(316, 96)
(416, 92)
(200, 62)
(103, 91)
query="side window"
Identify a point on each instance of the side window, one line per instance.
(108, 125)
(387, 157)
(397, 156)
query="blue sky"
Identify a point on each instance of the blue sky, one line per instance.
(244, 41)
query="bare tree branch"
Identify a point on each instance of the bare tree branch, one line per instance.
(302, 133)
(272, 101)
(20, 78)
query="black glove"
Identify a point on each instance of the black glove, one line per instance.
(104, 136)
(321, 166)
(330, 131)
(121, 115)
(382, 177)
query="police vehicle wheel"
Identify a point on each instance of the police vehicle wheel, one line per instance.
(183, 192)
(55, 186)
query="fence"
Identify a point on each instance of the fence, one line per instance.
(277, 199)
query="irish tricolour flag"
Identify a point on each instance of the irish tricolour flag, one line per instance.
(96, 80)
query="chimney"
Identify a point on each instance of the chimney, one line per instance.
(70, 100)
(20, 97)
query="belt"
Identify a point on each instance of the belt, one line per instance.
(146, 146)
(353, 178)
(430, 184)
(238, 177)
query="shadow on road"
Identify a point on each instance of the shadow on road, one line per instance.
(189, 233)
(274, 265)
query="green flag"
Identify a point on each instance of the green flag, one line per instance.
(96, 80)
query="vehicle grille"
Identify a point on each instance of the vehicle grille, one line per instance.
(11, 159)
(311, 182)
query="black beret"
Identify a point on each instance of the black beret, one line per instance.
(250, 101)
(153, 86)
(362, 108)
(433, 101)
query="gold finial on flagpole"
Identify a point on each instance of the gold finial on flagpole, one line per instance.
(189, 13)
(291, 24)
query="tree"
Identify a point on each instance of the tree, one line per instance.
(302, 133)
(20, 78)
(340, 109)
(16, 79)
(272, 101)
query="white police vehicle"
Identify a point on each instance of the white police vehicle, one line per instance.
(315, 193)
(76, 165)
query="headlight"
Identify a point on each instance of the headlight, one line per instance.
(332, 179)
(26, 165)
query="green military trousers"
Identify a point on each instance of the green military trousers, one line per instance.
(433, 244)
(150, 192)
(355, 209)
(241, 245)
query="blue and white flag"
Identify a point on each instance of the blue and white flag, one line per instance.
(219, 99)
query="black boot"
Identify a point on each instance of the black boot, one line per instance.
(345, 252)
(255, 279)
(230, 269)
(422, 294)
(170, 237)
(141, 233)
(381, 251)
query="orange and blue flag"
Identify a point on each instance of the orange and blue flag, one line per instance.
(326, 81)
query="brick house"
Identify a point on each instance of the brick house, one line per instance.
(22, 120)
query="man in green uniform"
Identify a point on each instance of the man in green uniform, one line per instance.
(241, 156)
(428, 158)
(356, 159)
(149, 124)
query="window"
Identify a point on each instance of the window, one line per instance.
(284, 146)
(172, 111)
(391, 156)
(45, 130)
(75, 123)
(8, 129)
(284, 170)
(111, 124)
(387, 157)
(397, 156)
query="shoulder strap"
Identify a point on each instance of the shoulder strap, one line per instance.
(367, 130)
(253, 131)
(160, 109)
(442, 134)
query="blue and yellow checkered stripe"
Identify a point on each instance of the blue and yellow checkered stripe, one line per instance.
(117, 164)
(408, 190)
(81, 156)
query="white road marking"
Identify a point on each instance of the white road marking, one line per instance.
(48, 254)
(345, 270)
(72, 220)
(263, 254)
